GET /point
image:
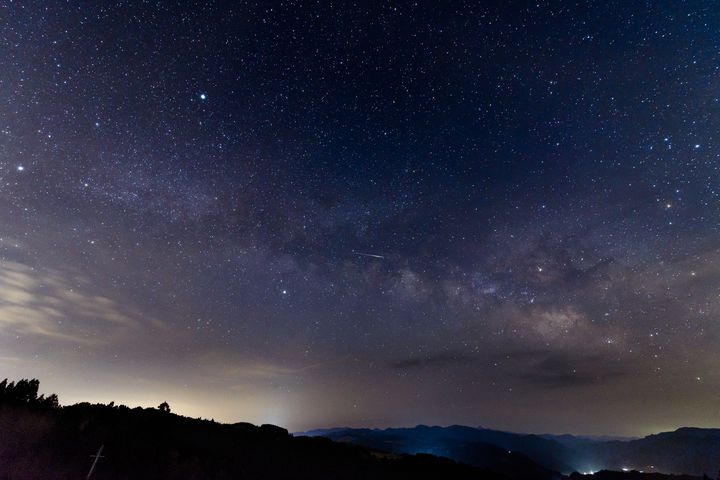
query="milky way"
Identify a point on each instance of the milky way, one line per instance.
(320, 214)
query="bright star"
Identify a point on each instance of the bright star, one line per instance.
(203, 96)
(20, 168)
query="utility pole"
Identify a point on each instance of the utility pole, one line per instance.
(97, 457)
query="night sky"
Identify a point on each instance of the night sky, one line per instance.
(322, 214)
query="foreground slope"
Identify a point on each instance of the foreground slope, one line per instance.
(152, 444)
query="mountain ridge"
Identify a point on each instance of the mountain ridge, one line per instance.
(686, 450)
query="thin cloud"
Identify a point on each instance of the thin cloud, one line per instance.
(564, 370)
(46, 305)
(442, 359)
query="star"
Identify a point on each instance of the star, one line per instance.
(203, 96)
(20, 168)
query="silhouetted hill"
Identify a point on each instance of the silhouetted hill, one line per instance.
(152, 444)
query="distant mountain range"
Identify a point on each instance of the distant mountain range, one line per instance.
(693, 451)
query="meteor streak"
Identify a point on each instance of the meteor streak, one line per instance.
(369, 255)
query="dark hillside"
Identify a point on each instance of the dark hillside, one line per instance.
(42, 441)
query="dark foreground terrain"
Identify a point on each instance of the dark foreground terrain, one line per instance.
(41, 440)
(153, 444)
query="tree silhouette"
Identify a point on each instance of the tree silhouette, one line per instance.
(25, 393)
(164, 407)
